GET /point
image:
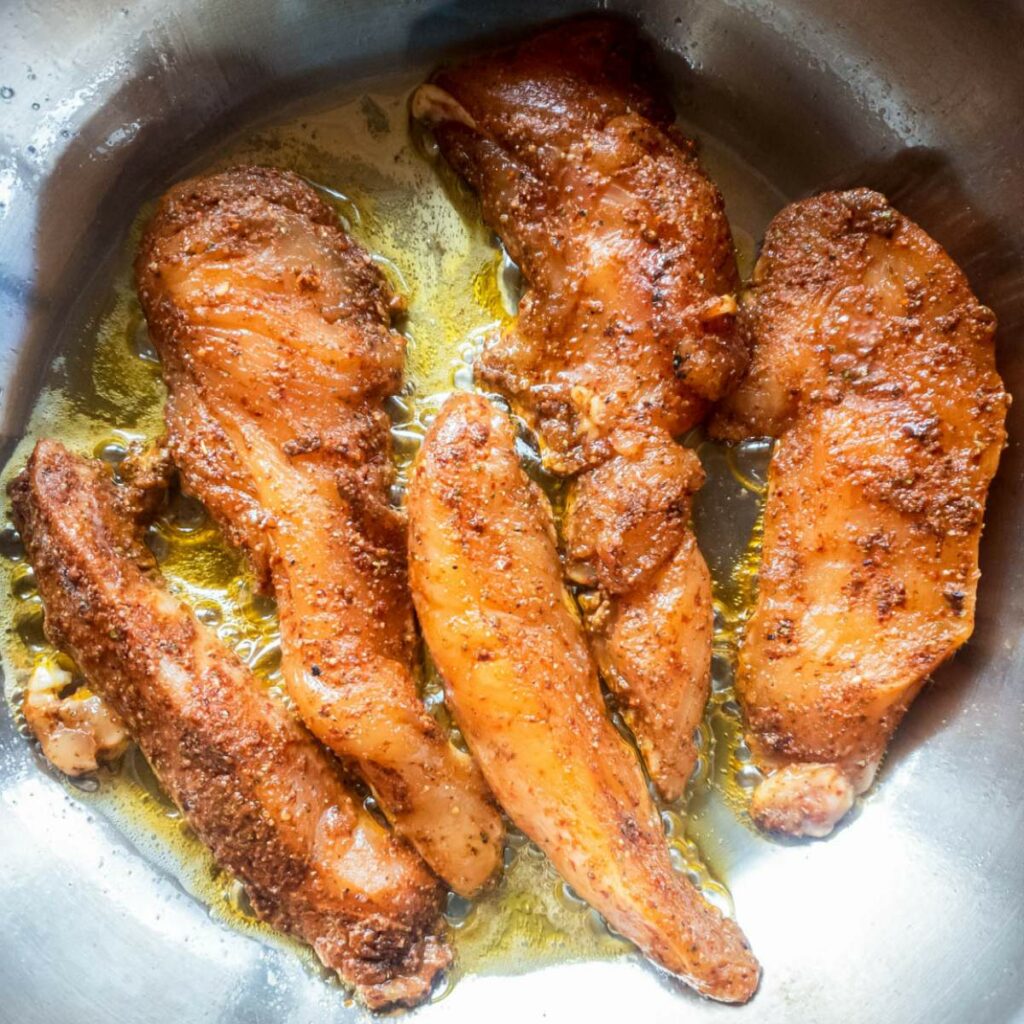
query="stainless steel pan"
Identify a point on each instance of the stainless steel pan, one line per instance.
(911, 913)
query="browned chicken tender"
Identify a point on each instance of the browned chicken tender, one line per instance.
(874, 365)
(274, 330)
(524, 690)
(255, 787)
(624, 338)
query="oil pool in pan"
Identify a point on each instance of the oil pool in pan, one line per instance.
(395, 197)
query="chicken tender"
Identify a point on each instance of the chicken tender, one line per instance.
(274, 330)
(524, 690)
(874, 366)
(255, 787)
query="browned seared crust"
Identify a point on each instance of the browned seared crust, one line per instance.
(874, 364)
(624, 337)
(524, 690)
(258, 791)
(278, 353)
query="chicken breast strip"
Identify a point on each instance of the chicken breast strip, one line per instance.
(255, 787)
(874, 365)
(274, 332)
(624, 337)
(524, 690)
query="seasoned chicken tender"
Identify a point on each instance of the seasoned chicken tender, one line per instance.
(256, 788)
(874, 365)
(628, 317)
(625, 335)
(524, 690)
(275, 334)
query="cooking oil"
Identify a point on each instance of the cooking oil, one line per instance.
(105, 396)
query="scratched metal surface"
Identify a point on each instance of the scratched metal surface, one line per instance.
(912, 912)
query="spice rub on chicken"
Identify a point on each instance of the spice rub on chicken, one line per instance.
(524, 689)
(874, 365)
(256, 788)
(625, 336)
(274, 330)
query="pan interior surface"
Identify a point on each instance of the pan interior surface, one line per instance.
(912, 911)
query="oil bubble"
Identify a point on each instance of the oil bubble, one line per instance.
(245, 649)
(570, 897)
(186, 515)
(209, 613)
(458, 740)
(86, 783)
(229, 634)
(111, 452)
(721, 673)
(24, 585)
(142, 343)
(29, 627)
(11, 546)
(458, 910)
